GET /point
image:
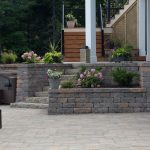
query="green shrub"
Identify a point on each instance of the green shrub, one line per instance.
(53, 57)
(8, 58)
(124, 51)
(67, 84)
(121, 52)
(122, 76)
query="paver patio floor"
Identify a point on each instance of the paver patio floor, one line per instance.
(29, 129)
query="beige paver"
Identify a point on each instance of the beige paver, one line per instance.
(30, 129)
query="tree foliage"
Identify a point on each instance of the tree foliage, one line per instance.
(33, 24)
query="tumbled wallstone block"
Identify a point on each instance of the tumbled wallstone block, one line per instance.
(65, 110)
(52, 110)
(139, 109)
(82, 110)
(115, 95)
(128, 99)
(82, 100)
(136, 105)
(116, 99)
(141, 100)
(100, 110)
(53, 100)
(131, 95)
(148, 99)
(68, 105)
(84, 105)
(97, 100)
(55, 105)
(71, 100)
(100, 105)
(62, 100)
(108, 100)
(120, 110)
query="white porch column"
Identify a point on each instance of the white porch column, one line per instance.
(148, 31)
(90, 14)
(142, 27)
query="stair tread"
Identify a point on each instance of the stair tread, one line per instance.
(29, 105)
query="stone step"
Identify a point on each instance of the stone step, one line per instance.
(72, 71)
(45, 88)
(29, 105)
(67, 77)
(41, 94)
(43, 100)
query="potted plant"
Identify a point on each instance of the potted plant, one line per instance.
(71, 20)
(54, 78)
(122, 54)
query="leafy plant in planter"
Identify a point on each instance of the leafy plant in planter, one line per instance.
(54, 78)
(53, 57)
(123, 77)
(8, 58)
(90, 79)
(68, 84)
(122, 54)
(71, 20)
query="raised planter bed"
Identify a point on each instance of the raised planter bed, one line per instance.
(97, 100)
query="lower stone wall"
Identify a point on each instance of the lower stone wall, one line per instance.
(98, 100)
(32, 78)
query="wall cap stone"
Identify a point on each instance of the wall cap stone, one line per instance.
(98, 90)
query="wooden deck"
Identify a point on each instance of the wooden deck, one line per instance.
(74, 40)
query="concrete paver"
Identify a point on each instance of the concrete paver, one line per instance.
(30, 129)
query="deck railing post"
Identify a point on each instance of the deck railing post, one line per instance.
(62, 28)
(108, 11)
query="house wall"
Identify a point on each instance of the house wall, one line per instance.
(126, 28)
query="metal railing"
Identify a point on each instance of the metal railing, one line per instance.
(113, 7)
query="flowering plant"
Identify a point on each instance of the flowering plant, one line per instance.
(90, 78)
(31, 57)
(53, 74)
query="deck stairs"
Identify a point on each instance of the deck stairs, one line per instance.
(127, 6)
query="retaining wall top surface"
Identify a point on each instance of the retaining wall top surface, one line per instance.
(98, 90)
(125, 63)
(44, 65)
(102, 64)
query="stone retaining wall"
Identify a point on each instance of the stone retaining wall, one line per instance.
(100, 100)
(105, 100)
(32, 78)
(107, 67)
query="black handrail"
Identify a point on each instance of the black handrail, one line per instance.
(101, 28)
(113, 7)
